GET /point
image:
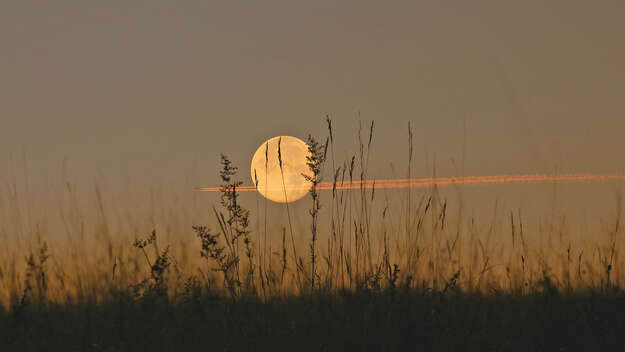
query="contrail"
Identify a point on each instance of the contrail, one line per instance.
(447, 181)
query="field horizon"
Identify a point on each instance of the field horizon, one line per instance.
(357, 251)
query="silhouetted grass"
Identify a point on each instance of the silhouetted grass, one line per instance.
(391, 275)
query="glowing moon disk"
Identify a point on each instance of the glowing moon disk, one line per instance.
(267, 170)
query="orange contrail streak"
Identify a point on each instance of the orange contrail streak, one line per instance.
(446, 181)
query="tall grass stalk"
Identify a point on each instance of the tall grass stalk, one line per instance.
(288, 213)
(315, 158)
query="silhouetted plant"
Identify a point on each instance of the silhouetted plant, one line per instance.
(234, 228)
(314, 160)
(35, 282)
(226, 262)
(238, 218)
(156, 284)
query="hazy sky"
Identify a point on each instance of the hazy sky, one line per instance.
(151, 88)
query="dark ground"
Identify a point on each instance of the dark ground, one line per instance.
(356, 322)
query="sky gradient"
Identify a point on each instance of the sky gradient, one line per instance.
(155, 90)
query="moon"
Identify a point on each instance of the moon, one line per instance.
(286, 185)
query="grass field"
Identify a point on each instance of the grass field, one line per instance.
(366, 273)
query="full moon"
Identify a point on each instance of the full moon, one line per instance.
(286, 185)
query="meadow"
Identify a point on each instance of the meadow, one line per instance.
(343, 270)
